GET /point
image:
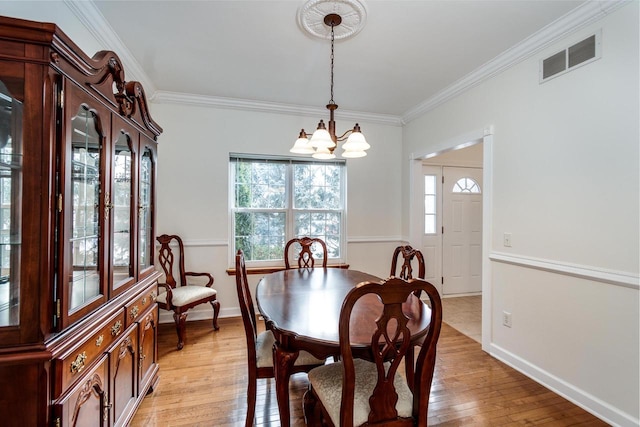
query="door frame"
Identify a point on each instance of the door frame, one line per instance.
(485, 136)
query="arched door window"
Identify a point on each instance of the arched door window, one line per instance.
(466, 185)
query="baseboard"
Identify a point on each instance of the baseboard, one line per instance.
(586, 401)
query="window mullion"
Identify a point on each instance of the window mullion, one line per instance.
(289, 190)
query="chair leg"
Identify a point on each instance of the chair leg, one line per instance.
(310, 410)
(216, 310)
(181, 321)
(409, 361)
(252, 388)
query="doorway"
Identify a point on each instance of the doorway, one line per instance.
(451, 232)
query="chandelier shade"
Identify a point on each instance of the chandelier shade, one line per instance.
(321, 137)
(302, 145)
(323, 141)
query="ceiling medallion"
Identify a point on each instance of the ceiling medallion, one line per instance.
(353, 13)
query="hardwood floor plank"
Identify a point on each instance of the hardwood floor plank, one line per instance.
(205, 385)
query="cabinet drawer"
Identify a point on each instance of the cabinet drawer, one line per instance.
(137, 307)
(73, 363)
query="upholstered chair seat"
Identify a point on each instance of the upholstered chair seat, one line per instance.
(327, 384)
(264, 352)
(186, 295)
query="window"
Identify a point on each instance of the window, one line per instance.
(429, 204)
(277, 199)
(466, 185)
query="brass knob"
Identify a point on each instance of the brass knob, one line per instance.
(116, 328)
(78, 364)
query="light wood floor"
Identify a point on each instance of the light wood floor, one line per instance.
(205, 385)
(464, 314)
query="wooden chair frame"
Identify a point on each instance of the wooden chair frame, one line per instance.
(390, 343)
(305, 257)
(406, 270)
(249, 321)
(166, 260)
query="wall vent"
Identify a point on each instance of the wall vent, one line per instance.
(579, 54)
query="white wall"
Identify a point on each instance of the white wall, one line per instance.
(565, 184)
(565, 168)
(193, 169)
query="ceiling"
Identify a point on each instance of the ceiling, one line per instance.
(407, 53)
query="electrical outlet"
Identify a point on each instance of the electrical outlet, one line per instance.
(506, 240)
(506, 319)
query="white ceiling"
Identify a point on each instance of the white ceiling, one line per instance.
(407, 53)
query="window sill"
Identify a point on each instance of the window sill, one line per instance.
(267, 270)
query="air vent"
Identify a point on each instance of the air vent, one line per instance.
(581, 53)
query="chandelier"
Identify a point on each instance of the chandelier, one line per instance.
(323, 141)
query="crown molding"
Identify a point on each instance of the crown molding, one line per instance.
(587, 13)
(89, 15)
(163, 97)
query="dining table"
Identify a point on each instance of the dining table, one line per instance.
(302, 307)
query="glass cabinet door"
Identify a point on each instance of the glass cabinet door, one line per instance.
(87, 204)
(84, 283)
(10, 205)
(122, 272)
(145, 231)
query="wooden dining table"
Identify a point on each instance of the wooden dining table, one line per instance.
(302, 309)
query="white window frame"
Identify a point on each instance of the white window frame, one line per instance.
(466, 189)
(436, 204)
(289, 226)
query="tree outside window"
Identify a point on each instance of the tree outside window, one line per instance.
(278, 199)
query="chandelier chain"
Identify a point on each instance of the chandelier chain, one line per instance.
(331, 101)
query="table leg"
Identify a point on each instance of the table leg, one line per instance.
(283, 364)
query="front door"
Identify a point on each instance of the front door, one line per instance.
(462, 230)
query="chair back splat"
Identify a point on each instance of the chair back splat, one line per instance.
(406, 269)
(179, 296)
(305, 256)
(355, 391)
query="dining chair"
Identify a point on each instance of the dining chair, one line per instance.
(179, 295)
(406, 272)
(353, 392)
(260, 345)
(305, 256)
(406, 269)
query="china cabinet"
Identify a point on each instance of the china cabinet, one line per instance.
(78, 286)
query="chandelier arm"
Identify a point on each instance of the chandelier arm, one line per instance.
(344, 135)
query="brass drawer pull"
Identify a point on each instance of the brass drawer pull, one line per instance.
(154, 296)
(116, 329)
(144, 301)
(78, 364)
(99, 340)
(134, 312)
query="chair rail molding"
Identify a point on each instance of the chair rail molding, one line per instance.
(618, 278)
(376, 239)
